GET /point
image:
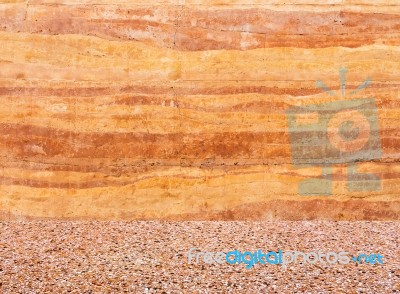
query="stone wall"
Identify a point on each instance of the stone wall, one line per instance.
(181, 109)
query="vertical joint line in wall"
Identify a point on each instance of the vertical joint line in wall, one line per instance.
(177, 23)
(177, 105)
(72, 138)
(180, 117)
(26, 10)
(265, 41)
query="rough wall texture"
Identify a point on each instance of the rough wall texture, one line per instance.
(179, 109)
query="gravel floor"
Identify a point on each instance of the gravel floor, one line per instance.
(152, 257)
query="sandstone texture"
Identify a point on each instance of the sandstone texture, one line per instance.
(177, 109)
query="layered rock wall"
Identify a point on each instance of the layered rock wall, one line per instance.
(179, 109)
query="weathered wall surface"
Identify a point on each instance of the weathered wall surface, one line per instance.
(177, 109)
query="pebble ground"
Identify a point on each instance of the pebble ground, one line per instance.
(151, 257)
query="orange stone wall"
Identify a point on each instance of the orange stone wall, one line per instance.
(176, 109)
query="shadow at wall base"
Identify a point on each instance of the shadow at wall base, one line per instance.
(314, 209)
(288, 210)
